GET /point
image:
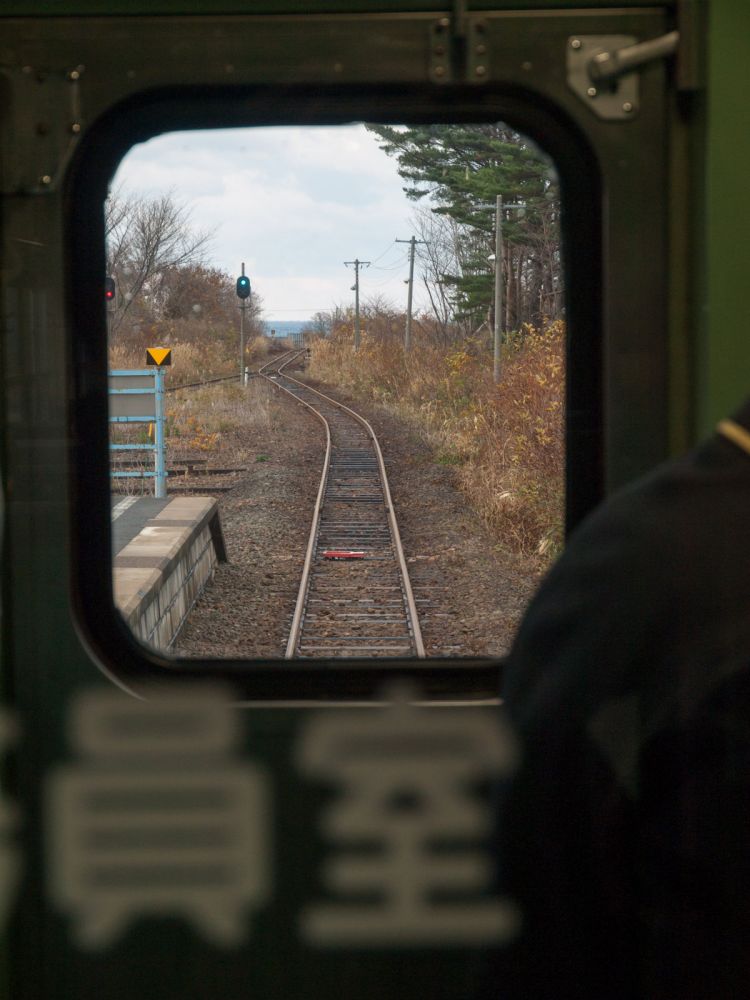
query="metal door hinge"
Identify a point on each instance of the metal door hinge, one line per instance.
(458, 48)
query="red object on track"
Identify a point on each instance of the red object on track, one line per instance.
(343, 554)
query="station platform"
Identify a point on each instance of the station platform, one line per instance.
(164, 553)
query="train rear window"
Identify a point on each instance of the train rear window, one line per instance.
(336, 389)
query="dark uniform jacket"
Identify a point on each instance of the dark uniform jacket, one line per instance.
(625, 835)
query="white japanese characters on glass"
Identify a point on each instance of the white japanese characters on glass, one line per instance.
(410, 864)
(157, 818)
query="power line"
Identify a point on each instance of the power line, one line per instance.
(386, 282)
(389, 247)
(393, 267)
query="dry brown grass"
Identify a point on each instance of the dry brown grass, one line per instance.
(221, 418)
(189, 361)
(210, 420)
(192, 360)
(506, 441)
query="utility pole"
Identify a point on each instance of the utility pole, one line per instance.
(356, 264)
(407, 336)
(242, 338)
(499, 251)
(498, 285)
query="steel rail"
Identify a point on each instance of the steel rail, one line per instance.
(282, 359)
(396, 535)
(299, 607)
(408, 595)
(222, 378)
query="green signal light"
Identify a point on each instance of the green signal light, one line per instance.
(243, 287)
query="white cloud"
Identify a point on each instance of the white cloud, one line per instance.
(292, 203)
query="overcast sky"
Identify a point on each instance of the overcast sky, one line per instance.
(293, 204)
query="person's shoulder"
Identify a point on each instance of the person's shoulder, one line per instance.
(685, 500)
(658, 558)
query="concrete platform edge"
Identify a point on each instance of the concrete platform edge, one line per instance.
(160, 573)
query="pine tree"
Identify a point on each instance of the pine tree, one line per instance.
(461, 169)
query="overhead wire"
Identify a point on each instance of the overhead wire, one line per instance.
(394, 267)
(387, 249)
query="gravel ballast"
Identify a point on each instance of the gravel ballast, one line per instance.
(470, 590)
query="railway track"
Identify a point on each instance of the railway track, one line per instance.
(355, 597)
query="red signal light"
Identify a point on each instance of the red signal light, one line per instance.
(109, 289)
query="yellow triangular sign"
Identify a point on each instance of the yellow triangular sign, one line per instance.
(159, 356)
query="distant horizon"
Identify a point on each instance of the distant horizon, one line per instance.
(287, 325)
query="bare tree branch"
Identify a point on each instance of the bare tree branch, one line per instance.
(146, 239)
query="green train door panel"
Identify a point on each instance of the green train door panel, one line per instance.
(237, 838)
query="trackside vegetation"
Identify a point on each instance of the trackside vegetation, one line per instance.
(474, 187)
(455, 174)
(477, 189)
(505, 441)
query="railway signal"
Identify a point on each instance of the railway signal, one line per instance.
(243, 293)
(109, 289)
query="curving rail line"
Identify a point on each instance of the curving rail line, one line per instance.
(355, 597)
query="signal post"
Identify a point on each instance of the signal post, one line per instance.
(243, 293)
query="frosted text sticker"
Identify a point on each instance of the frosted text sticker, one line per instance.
(157, 818)
(410, 865)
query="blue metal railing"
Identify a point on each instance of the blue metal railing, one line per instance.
(156, 390)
